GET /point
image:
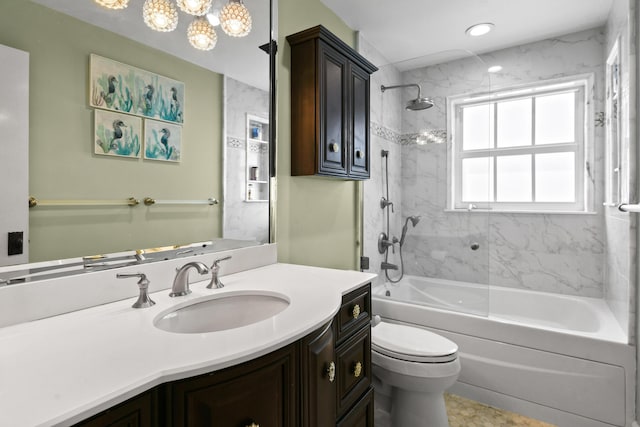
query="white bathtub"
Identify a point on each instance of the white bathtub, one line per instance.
(558, 358)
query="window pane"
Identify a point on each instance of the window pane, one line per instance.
(555, 177)
(477, 179)
(555, 118)
(514, 179)
(477, 127)
(514, 123)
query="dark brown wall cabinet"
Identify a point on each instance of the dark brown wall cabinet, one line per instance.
(329, 106)
(322, 380)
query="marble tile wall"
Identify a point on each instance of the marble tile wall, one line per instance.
(385, 135)
(561, 253)
(555, 253)
(621, 266)
(242, 220)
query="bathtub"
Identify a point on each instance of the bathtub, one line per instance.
(561, 359)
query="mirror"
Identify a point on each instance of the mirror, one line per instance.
(64, 164)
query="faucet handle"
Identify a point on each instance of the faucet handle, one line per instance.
(143, 299)
(216, 263)
(215, 268)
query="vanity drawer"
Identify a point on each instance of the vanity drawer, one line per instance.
(354, 313)
(353, 369)
(361, 415)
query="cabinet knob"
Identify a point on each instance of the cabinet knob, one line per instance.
(356, 311)
(253, 425)
(334, 147)
(357, 369)
(331, 372)
(359, 154)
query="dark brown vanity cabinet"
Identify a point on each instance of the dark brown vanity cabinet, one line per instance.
(336, 367)
(260, 393)
(321, 380)
(329, 106)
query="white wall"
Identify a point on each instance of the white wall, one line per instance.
(14, 150)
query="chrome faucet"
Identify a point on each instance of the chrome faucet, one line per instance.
(215, 269)
(143, 299)
(181, 282)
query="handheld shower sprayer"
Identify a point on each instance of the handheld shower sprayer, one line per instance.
(414, 221)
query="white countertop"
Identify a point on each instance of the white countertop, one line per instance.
(63, 369)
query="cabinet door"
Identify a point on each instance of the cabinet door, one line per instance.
(358, 122)
(136, 412)
(332, 148)
(361, 415)
(353, 360)
(318, 385)
(260, 392)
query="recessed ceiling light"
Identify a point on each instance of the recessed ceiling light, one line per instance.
(494, 68)
(479, 29)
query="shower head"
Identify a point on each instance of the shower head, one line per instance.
(414, 221)
(419, 103)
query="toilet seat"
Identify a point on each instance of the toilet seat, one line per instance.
(412, 344)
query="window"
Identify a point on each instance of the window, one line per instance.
(520, 149)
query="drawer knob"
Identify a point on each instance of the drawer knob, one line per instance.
(359, 154)
(331, 372)
(356, 311)
(334, 147)
(253, 425)
(357, 369)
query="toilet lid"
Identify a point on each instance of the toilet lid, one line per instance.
(412, 344)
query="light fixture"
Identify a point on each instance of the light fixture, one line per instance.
(202, 34)
(495, 69)
(479, 29)
(235, 19)
(113, 4)
(160, 15)
(194, 7)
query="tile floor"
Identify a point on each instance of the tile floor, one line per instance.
(468, 413)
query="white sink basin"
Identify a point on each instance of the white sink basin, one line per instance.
(228, 311)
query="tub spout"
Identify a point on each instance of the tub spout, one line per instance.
(388, 266)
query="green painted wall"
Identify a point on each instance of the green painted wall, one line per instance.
(62, 163)
(317, 218)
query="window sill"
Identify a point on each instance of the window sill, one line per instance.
(504, 211)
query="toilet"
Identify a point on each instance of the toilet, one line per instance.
(412, 367)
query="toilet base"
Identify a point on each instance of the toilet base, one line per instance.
(410, 408)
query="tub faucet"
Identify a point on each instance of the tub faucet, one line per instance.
(181, 282)
(215, 269)
(388, 266)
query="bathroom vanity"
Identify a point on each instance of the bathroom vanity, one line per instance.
(322, 379)
(308, 365)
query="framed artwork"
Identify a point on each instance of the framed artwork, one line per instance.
(117, 134)
(162, 141)
(119, 87)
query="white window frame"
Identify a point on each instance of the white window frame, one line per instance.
(582, 85)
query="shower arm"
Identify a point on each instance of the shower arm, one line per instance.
(383, 87)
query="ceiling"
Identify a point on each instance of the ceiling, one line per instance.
(239, 58)
(413, 33)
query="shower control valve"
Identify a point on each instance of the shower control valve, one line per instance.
(384, 243)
